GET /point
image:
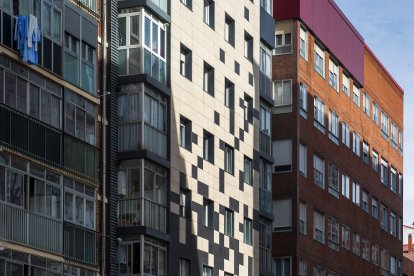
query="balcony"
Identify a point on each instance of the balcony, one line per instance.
(142, 212)
(265, 86)
(21, 226)
(265, 143)
(38, 140)
(265, 201)
(80, 244)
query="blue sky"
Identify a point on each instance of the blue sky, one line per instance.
(388, 29)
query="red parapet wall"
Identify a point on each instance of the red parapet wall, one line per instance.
(333, 29)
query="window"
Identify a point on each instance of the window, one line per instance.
(319, 114)
(185, 133)
(400, 140)
(229, 32)
(318, 271)
(394, 135)
(303, 100)
(229, 94)
(345, 84)
(207, 271)
(228, 159)
(400, 185)
(333, 234)
(385, 261)
(384, 172)
(333, 127)
(80, 117)
(283, 44)
(333, 74)
(265, 186)
(333, 180)
(208, 147)
(282, 154)
(185, 62)
(265, 131)
(356, 244)
(303, 48)
(248, 46)
(72, 67)
(302, 267)
(248, 231)
(393, 180)
(319, 171)
(248, 171)
(375, 113)
(208, 15)
(185, 267)
(345, 186)
(365, 249)
(187, 3)
(282, 211)
(384, 221)
(365, 152)
(393, 224)
(319, 62)
(228, 222)
(393, 266)
(302, 159)
(385, 122)
(346, 134)
(302, 218)
(208, 213)
(365, 201)
(267, 5)
(400, 228)
(185, 203)
(356, 196)
(374, 204)
(356, 92)
(345, 237)
(375, 161)
(356, 144)
(79, 203)
(248, 108)
(265, 62)
(282, 92)
(282, 266)
(366, 104)
(208, 79)
(318, 227)
(375, 254)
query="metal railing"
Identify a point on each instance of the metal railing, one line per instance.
(79, 243)
(142, 212)
(21, 226)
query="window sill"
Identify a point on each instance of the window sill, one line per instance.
(319, 126)
(334, 139)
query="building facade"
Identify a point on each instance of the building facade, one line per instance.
(49, 139)
(130, 143)
(337, 147)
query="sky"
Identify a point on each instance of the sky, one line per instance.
(388, 29)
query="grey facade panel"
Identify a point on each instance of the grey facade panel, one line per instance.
(267, 29)
(89, 32)
(72, 23)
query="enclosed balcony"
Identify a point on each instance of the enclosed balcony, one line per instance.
(142, 120)
(142, 44)
(142, 191)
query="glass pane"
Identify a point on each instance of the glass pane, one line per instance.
(45, 108)
(136, 261)
(80, 124)
(155, 68)
(2, 183)
(34, 101)
(10, 90)
(122, 62)
(162, 43)
(134, 30)
(79, 210)
(46, 19)
(88, 77)
(15, 189)
(147, 62)
(90, 129)
(134, 61)
(155, 38)
(90, 214)
(122, 31)
(53, 199)
(40, 197)
(134, 183)
(147, 31)
(55, 109)
(71, 69)
(21, 95)
(68, 206)
(56, 24)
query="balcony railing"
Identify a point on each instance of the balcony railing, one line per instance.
(21, 226)
(79, 243)
(36, 139)
(142, 212)
(265, 143)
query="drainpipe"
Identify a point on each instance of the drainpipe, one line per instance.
(104, 121)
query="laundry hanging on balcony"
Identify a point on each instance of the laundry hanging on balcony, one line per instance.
(27, 36)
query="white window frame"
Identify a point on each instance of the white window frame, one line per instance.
(356, 95)
(345, 186)
(346, 134)
(346, 84)
(333, 75)
(366, 104)
(319, 60)
(279, 87)
(303, 43)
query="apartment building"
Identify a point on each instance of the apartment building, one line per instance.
(188, 116)
(49, 138)
(337, 128)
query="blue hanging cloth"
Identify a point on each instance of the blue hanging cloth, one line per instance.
(27, 36)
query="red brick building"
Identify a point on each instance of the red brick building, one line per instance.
(337, 146)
